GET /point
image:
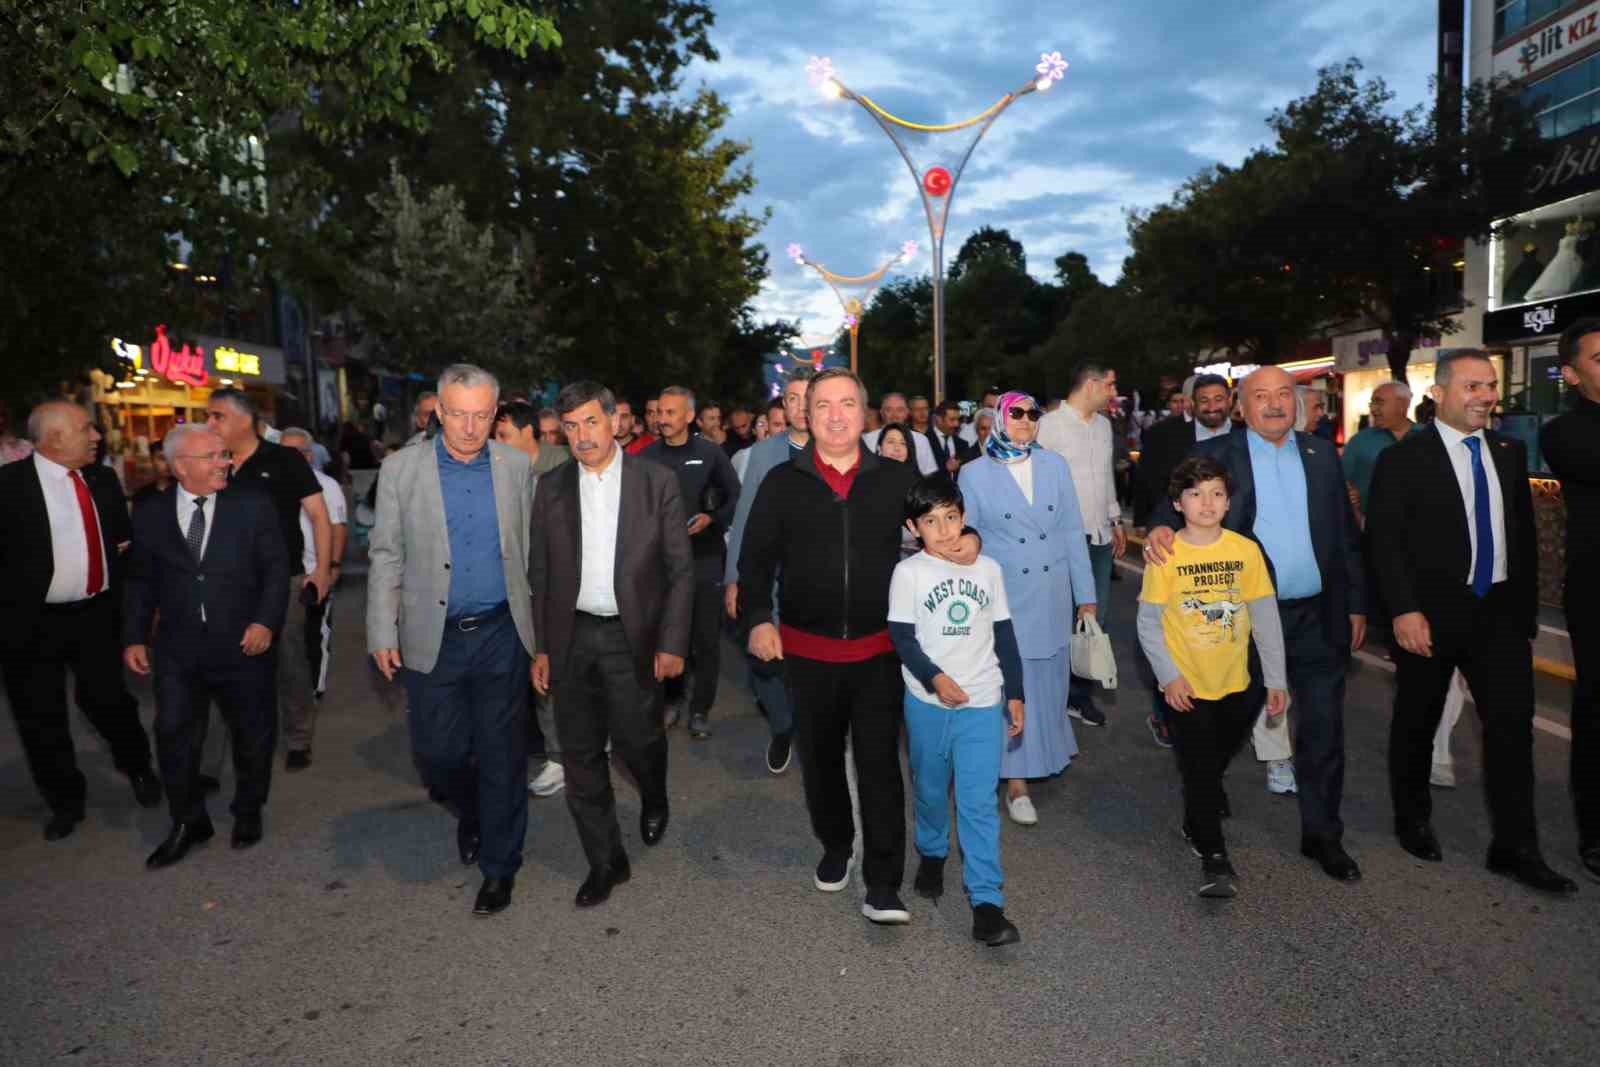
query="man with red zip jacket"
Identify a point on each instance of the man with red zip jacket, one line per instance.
(827, 525)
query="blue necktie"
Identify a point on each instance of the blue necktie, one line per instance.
(1483, 566)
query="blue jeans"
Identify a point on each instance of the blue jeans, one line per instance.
(1080, 692)
(469, 729)
(965, 742)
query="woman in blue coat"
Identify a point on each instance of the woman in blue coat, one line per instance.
(1020, 498)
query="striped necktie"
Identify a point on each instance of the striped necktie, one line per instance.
(197, 528)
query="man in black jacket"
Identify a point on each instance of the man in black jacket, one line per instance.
(62, 535)
(1450, 524)
(1168, 441)
(1571, 445)
(710, 491)
(208, 589)
(949, 450)
(1291, 499)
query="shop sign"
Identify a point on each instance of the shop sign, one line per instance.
(1368, 348)
(234, 361)
(1546, 47)
(186, 364)
(1544, 321)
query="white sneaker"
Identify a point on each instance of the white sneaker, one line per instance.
(548, 782)
(1021, 810)
(1443, 776)
(1280, 777)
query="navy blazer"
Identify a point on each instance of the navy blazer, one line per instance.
(1335, 538)
(27, 559)
(242, 579)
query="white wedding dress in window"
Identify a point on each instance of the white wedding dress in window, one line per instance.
(1561, 275)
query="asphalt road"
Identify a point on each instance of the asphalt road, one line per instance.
(345, 937)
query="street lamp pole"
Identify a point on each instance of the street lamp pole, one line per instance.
(936, 184)
(853, 290)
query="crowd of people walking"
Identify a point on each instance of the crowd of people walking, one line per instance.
(554, 586)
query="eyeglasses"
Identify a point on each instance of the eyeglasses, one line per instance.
(1031, 414)
(209, 457)
(477, 418)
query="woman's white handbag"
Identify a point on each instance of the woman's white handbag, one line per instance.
(1090, 649)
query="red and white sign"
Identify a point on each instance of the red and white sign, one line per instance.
(1526, 58)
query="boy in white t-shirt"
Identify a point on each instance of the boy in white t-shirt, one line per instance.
(951, 625)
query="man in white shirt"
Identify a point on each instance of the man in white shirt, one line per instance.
(1078, 431)
(895, 409)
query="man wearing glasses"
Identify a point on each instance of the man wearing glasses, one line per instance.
(450, 614)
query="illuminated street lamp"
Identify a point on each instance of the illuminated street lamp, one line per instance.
(936, 179)
(853, 290)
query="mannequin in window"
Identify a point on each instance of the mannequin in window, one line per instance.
(1561, 276)
(1523, 275)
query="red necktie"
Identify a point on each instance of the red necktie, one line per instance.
(91, 535)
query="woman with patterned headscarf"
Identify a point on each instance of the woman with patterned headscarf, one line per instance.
(1021, 500)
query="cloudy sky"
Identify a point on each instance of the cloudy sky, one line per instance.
(1156, 90)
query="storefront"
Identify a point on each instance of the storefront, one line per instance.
(164, 382)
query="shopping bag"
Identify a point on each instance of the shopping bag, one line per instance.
(1091, 653)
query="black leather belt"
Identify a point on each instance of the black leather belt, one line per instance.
(468, 623)
(599, 618)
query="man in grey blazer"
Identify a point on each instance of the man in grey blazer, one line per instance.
(449, 612)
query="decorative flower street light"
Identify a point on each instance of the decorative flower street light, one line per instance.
(853, 290)
(939, 172)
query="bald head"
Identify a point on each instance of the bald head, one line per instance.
(63, 433)
(1267, 398)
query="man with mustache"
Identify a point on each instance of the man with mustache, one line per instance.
(1450, 519)
(1291, 499)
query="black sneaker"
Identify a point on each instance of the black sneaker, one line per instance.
(699, 728)
(779, 751)
(990, 925)
(1217, 877)
(1089, 715)
(833, 873)
(884, 907)
(930, 878)
(1159, 731)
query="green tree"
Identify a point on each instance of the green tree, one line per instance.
(988, 243)
(435, 289)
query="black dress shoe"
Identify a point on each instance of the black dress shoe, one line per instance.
(929, 881)
(146, 788)
(61, 825)
(1336, 862)
(494, 896)
(184, 836)
(207, 784)
(1419, 839)
(468, 842)
(246, 830)
(1529, 868)
(596, 889)
(652, 824)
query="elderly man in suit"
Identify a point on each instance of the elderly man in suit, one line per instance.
(1450, 517)
(209, 578)
(1291, 499)
(62, 535)
(612, 574)
(448, 611)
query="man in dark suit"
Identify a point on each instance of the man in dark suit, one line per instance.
(949, 450)
(1450, 518)
(1291, 499)
(1168, 441)
(209, 574)
(612, 575)
(63, 531)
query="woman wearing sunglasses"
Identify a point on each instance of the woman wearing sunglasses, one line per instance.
(1021, 500)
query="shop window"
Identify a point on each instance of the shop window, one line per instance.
(1547, 253)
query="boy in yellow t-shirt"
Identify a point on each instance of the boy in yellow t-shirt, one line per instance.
(1197, 612)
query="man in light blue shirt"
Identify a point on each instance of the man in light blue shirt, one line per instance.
(1281, 513)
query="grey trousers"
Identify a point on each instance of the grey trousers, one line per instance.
(297, 705)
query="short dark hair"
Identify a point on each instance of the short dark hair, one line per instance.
(522, 414)
(933, 491)
(242, 401)
(774, 405)
(1445, 369)
(1204, 380)
(1084, 371)
(947, 405)
(574, 395)
(1194, 470)
(1568, 347)
(828, 375)
(552, 413)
